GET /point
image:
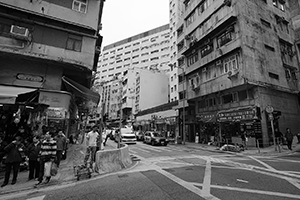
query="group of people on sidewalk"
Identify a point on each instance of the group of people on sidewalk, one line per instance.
(47, 148)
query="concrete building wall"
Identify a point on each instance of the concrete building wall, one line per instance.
(151, 90)
(61, 10)
(14, 72)
(239, 55)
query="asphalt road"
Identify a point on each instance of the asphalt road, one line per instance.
(176, 172)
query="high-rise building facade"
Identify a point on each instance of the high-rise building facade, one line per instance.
(175, 14)
(148, 50)
(239, 65)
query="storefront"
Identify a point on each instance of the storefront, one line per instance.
(229, 124)
(58, 112)
(19, 109)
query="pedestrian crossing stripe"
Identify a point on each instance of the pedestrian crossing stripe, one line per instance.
(37, 198)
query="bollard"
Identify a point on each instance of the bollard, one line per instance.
(257, 144)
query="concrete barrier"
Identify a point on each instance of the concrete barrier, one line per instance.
(113, 159)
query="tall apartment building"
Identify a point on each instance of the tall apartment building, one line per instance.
(175, 13)
(239, 59)
(50, 47)
(148, 50)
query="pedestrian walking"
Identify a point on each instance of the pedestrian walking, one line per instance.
(33, 154)
(244, 139)
(278, 136)
(14, 151)
(61, 144)
(47, 154)
(91, 142)
(289, 138)
(298, 138)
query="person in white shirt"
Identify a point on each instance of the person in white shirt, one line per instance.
(91, 142)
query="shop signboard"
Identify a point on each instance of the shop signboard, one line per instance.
(237, 115)
(55, 99)
(56, 113)
(206, 117)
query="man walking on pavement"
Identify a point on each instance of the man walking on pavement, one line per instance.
(91, 142)
(61, 143)
(289, 138)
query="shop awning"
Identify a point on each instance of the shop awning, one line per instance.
(80, 90)
(8, 94)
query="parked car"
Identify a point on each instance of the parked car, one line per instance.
(139, 136)
(155, 138)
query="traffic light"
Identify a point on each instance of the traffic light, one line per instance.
(276, 114)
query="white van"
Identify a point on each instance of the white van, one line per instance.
(127, 136)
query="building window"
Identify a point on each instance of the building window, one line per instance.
(274, 76)
(80, 5)
(74, 42)
(286, 50)
(269, 47)
(192, 59)
(207, 49)
(175, 87)
(265, 23)
(225, 37)
(155, 58)
(279, 5)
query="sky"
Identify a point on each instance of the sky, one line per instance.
(125, 18)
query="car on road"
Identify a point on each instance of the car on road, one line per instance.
(155, 138)
(127, 136)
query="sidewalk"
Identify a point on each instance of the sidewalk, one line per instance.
(268, 151)
(65, 173)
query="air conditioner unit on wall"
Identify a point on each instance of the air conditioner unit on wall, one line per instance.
(219, 63)
(232, 73)
(19, 32)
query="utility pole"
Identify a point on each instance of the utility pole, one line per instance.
(121, 114)
(183, 109)
(269, 110)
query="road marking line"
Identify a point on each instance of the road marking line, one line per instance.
(295, 183)
(186, 185)
(37, 198)
(262, 163)
(256, 191)
(243, 181)
(207, 179)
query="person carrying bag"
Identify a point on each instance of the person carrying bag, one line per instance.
(47, 157)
